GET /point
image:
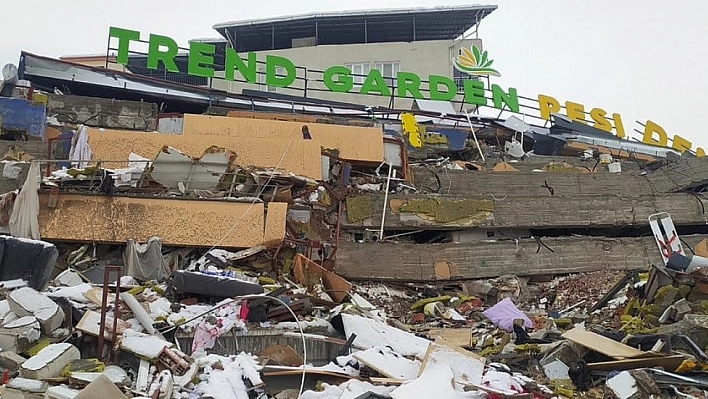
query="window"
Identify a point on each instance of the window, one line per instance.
(359, 72)
(388, 70)
(279, 71)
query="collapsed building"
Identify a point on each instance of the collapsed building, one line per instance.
(154, 215)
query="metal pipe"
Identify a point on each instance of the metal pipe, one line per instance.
(383, 213)
(474, 135)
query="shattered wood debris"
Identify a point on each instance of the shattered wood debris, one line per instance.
(362, 257)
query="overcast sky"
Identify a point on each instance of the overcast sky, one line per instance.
(643, 59)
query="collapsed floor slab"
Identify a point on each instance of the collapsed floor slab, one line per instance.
(522, 257)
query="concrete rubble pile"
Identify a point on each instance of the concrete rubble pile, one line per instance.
(264, 255)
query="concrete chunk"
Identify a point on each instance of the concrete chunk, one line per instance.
(29, 302)
(11, 361)
(23, 388)
(49, 362)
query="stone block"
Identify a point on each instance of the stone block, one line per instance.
(49, 362)
(29, 302)
(11, 361)
(23, 388)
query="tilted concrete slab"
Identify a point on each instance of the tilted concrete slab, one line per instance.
(579, 211)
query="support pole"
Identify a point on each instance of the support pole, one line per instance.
(474, 135)
(383, 213)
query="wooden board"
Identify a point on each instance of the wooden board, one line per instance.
(364, 144)
(458, 336)
(298, 156)
(669, 363)
(282, 354)
(601, 344)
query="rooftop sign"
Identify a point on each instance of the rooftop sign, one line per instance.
(281, 72)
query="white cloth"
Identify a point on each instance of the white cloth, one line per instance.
(80, 152)
(24, 220)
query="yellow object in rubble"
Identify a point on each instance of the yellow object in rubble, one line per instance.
(411, 130)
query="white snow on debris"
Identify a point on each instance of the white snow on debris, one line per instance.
(434, 382)
(27, 385)
(26, 321)
(389, 363)
(186, 313)
(371, 333)
(160, 308)
(4, 308)
(228, 383)
(34, 302)
(75, 293)
(141, 344)
(13, 284)
(348, 390)
(45, 356)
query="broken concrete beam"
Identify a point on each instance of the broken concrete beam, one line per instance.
(11, 361)
(49, 362)
(692, 325)
(28, 302)
(436, 212)
(469, 183)
(522, 257)
(685, 174)
(23, 388)
(103, 112)
(17, 335)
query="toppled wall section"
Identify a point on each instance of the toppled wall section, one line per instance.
(298, 156)
(435, 212)
(364, 144)
(523, 257)
(176, 222)
(103, 112)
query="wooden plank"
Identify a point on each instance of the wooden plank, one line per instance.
(355, 143)
(601, 344)
(669, 363)
(522, 257)
(458, 336)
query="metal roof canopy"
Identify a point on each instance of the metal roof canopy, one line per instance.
(354, 27)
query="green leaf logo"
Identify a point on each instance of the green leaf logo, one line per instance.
(475, 62)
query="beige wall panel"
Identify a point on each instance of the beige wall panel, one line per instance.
(299, 156)
(354, 142)
(177, 222)
(275, 223)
